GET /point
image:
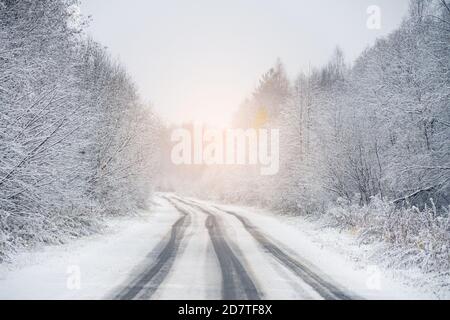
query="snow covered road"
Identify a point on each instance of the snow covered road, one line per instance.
(250, 264)
(190, 249)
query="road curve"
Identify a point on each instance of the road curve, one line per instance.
(324, 287)
(233, 281)
(237, 284)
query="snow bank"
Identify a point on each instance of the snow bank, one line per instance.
(101, 262)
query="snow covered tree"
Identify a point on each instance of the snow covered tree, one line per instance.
(71, 126)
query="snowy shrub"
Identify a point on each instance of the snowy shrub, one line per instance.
(414, 237)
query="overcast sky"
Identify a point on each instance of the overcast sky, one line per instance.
(199, 59)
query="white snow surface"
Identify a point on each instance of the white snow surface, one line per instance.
(106, 261)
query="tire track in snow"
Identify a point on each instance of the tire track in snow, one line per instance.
(146, 283)
(324, 288)
(236, 281)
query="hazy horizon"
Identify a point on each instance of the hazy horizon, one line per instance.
(199, 61)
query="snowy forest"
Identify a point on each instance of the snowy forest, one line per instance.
(364, 145)
(76, 142)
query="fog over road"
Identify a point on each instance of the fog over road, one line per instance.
(215, 253)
